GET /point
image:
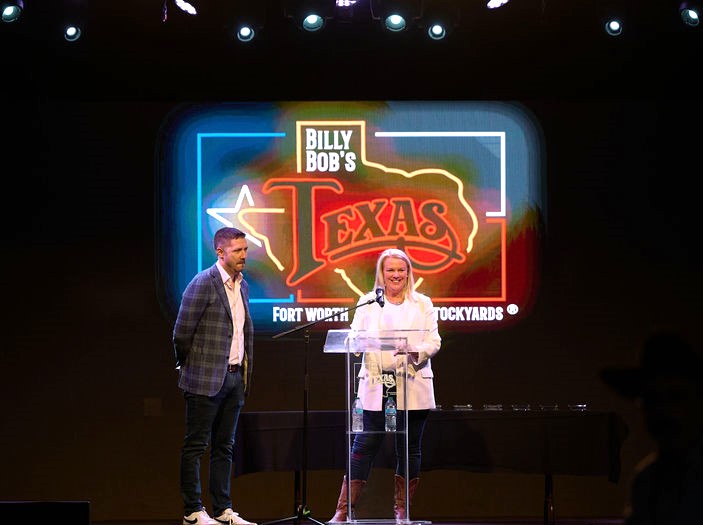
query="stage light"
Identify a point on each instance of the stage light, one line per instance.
(690, 13)
(310, 15)
(187, 7)
(440, 17)
(74, 22)
(313, 22)
(246, 20)
(613, 27)
(12, 11)
(395, 22)
(72, 33)
(246, 33)
(494, 4)
(396, 14)
(436, 32)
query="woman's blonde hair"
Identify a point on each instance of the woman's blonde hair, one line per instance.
(398, 254)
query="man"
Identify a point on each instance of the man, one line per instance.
(213, 340)
(668, 486)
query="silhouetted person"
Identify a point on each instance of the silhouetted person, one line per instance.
(668, 484)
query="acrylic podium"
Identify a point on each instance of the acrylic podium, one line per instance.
(365, 351)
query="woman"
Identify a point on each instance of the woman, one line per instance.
(403, 309)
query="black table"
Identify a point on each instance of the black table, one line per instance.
(533, 442)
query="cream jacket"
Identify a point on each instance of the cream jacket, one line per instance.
(419, 315)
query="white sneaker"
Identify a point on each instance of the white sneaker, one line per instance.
(199, 518)
(229, 517)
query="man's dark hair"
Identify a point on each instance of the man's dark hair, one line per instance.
(224, 235)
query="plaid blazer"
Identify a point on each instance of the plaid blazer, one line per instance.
(203, 333)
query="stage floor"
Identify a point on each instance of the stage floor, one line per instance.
(481, 521)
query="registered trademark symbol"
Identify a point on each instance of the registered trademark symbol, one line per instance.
(512, 309)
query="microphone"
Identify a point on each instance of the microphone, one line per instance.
(379, 297)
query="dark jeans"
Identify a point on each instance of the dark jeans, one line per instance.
(211, 418)
(366, 445)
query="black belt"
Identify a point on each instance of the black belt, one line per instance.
(233, 368)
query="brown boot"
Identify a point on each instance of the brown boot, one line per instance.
(399, 505)
(341, 512)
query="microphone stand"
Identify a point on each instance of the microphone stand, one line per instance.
(302, 510)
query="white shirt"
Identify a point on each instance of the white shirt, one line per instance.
(393, 317)
(234, 295)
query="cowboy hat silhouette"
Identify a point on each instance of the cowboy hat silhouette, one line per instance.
(663, 354)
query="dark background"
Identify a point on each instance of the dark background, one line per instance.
(90, 404)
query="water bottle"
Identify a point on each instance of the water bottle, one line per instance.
(390, 414)
(357, 416)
